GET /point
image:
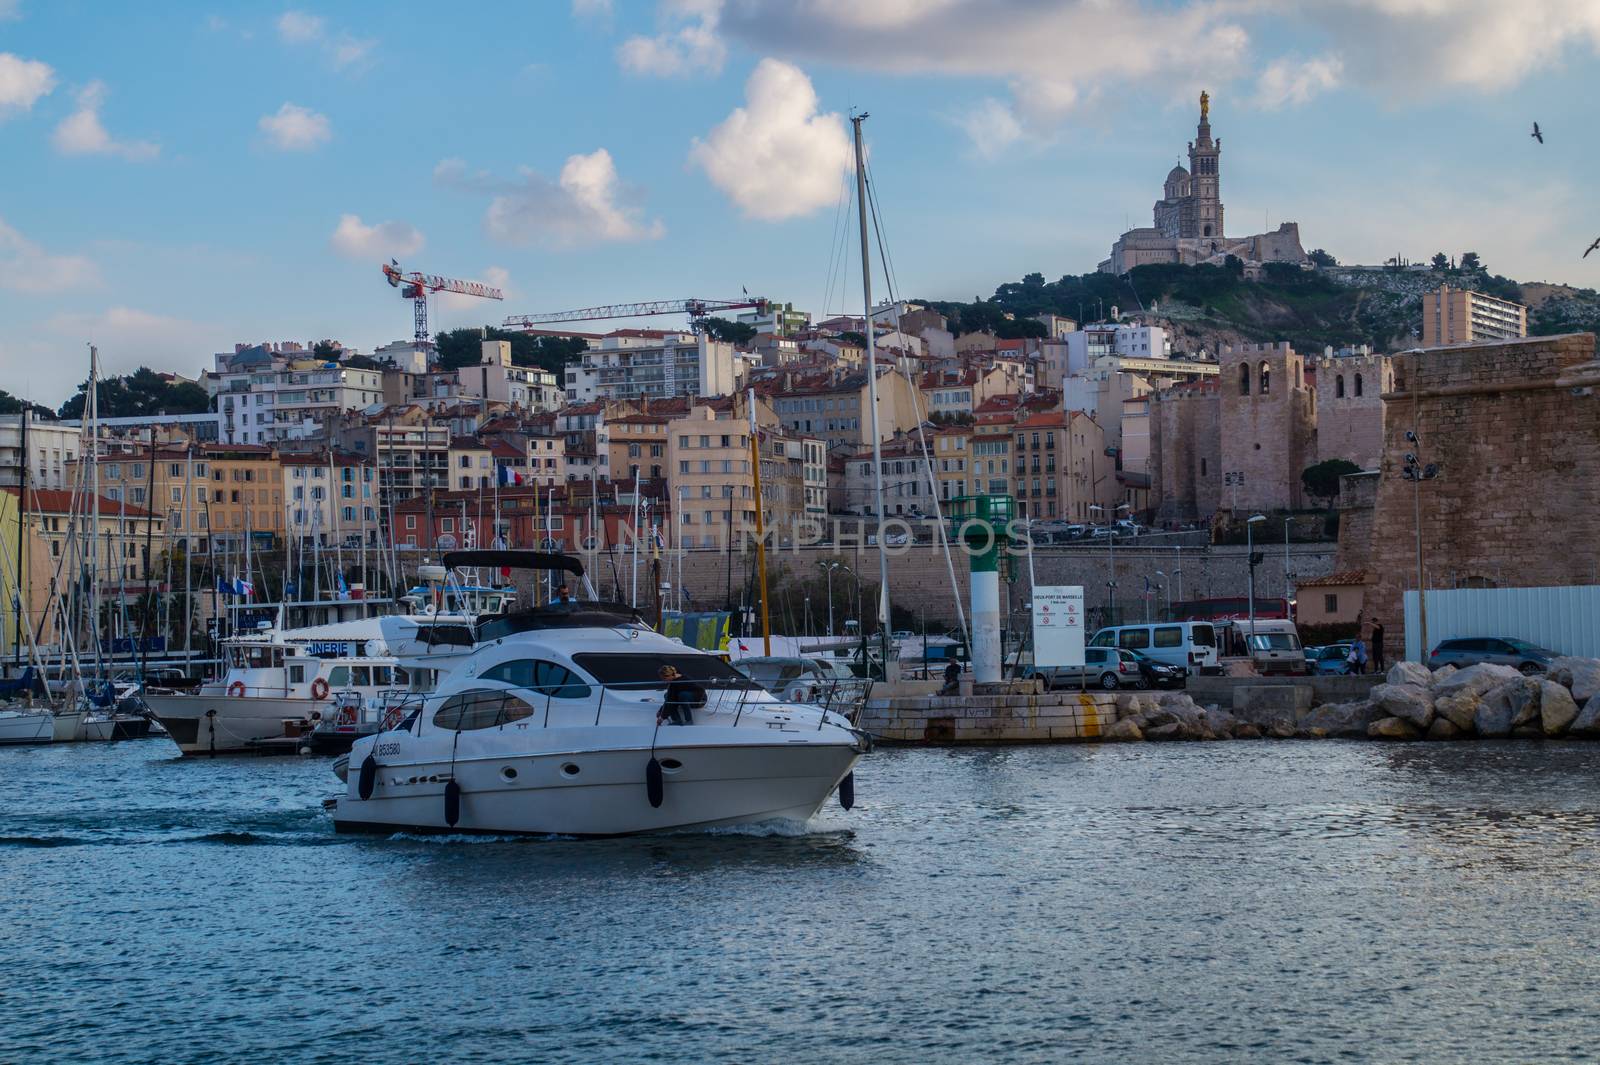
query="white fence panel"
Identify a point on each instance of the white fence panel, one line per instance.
(1565, 619)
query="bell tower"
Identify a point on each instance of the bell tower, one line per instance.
(1205, 156)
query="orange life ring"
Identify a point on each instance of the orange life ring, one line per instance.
(347, 715)
(392, 719)
(319, 688)
(236, 689)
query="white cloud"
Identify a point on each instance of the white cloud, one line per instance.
(26, 267)
(128, 338)
(689, 45)
(776, 157)
(991, 125)
(586, 204)
(295, 128)
(22, 83)
(1292, 81)
(82, 132)
(354, 239)
(342, 49)
(297, 27)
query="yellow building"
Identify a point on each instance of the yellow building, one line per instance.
(246, 494)
(1462, 316)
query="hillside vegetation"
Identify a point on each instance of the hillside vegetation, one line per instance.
(1330, 305)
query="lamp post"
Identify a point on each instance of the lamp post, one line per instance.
(1250, 561)
(1166, 583)
(1111, 560)
(828, 568)
(1416, 471)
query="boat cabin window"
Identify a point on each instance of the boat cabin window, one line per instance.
(297, 674)
(257, 657)
(361, 676)
(423, 680)
(484, 708)
(642, 671)
(339, 677)
(540, 678)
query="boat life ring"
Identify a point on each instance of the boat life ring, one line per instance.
(319, 688)
(236, 689)
(347, 715)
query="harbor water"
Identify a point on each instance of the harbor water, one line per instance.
(1297, 901)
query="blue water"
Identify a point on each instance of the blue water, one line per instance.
(1297, 901)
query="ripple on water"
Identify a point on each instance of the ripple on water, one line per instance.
(1214, 902)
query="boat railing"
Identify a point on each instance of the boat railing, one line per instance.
(517, 703)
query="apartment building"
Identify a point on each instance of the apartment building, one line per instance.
(1060, 467)
(52, 447)
(711, 484)
(1462, 316)
(952, 450)
(530, 388)
(246, 495)
(834, 407)
(264, 398)
(631, 364)
(174, 482)
(331, 498)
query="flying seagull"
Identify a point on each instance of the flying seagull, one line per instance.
(1538, 135)
(1591, 247)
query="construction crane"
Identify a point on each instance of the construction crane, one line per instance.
(697, 310)
(415, 286)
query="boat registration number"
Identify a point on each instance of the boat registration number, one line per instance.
(384, 749)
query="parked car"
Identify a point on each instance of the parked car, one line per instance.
(1329, 660)
(1501, 650)
(1189, 645)
(1273, 648)
(1108, 668)
(1157, 674)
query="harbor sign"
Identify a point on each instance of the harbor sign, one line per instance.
(1058, 625)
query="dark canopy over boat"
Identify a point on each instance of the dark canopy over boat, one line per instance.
(514, 560)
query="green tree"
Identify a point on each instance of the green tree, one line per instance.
(10, 404)
(143, 392)
(1322, 480)
(1321, 258)
(325, 349)
(729, 331)
(1471, 264)
(1440, 261)
(1234, 265)
(464, 347)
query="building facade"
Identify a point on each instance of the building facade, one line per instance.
(1462, 316)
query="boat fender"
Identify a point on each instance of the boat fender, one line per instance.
(653, 786)
(319, 688)
(452, 802)
(847, 790)
(368, 778)
(236, 689)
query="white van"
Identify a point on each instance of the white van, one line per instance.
(1190, 645)
(1274, 647)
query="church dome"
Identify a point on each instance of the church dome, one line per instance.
(1177, 173)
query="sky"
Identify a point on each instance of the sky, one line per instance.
(175, 178)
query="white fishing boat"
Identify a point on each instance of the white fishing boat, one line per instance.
(546, 721)
(286, 682)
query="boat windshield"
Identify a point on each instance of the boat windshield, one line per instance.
(639, 672)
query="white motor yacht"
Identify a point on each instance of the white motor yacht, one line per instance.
(545, 721)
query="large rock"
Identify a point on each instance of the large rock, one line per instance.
(1410, 673)
(1557, 710)
(1519, 696)
(1409, 702)
(1124, 730)
(1477, 679)
(1443, 729)
(1172, 730)
(1221, 723)
(1393, 728)
(1341, 719)
(1493, 720)
(1247, 731)
(1587, 723)
(1272, 707)
(1585, 674)
(1459, 708)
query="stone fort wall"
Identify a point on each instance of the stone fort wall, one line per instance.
(1185, 452)
(1350, 426)
(1515, 431)
(1268, 435)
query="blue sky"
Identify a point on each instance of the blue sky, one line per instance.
(174, 177)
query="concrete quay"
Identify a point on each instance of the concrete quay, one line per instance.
(913, 712)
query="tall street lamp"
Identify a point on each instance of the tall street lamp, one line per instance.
(1416, 471)
(1250, 559)
(1111, 560)
(828, 568)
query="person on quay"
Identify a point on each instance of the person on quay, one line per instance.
(1358, 655)
(952, 679)
(1379, 663)
(682, 698)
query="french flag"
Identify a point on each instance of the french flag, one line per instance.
(509, 476)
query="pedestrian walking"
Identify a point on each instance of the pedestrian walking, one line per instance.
(1358, 655)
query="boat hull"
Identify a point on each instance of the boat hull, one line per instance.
(67, 725)
(603, 792)
(19, 727)
(213, 724)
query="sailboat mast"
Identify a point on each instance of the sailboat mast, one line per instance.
(761, 529)
(22, 524)
(92, 424)
(889, 673)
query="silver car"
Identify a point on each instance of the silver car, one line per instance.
(1107, 668)
(1501, 650)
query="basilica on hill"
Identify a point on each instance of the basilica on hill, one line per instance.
(1188, 219)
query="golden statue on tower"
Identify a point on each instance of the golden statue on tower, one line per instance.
(1205, 104)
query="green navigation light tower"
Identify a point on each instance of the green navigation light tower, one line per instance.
(982, 525)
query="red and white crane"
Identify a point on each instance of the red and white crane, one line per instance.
(698, 311)
(415, 286)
